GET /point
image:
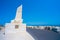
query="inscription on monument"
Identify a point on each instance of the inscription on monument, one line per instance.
(16, 26)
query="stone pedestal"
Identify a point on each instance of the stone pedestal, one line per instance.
(15, 27)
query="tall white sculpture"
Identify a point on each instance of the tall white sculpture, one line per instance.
(19, 13)
(16, 24)
(16, 30)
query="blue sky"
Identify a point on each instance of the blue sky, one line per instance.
(35, 12)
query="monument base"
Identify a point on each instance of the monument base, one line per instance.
(15, 27)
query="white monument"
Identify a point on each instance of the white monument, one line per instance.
(16, 30)
(16, 24)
